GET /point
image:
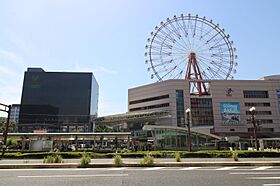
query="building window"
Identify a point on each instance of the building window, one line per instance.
(150, 107)
(202, 112)
(257, 104)
(149, 99)
(278, 96)
(180, 108)
(255, 94)
(259, 112)
(261, 121)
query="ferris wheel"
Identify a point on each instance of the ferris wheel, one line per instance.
(190, 47)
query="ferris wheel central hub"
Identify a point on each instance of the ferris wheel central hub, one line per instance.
(192, 55)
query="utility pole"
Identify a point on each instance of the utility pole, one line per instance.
(7, 108)
(189, 140)
(253, 117)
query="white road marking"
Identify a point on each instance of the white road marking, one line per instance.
(190, 168)
(262, 168)
(267, 184)
(263, 178)
(154, 168)
(49, 169)
(79, 176)
(226, 168)
(119, 168)
(255, 173)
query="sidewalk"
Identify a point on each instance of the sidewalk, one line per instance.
(131, 162)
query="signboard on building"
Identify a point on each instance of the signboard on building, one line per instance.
(230, 112)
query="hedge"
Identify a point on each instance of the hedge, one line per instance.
(141, 154)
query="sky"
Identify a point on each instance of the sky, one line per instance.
(108, 38)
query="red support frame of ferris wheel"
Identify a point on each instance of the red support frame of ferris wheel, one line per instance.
(192, 65)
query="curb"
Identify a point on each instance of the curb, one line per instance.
(169, 164)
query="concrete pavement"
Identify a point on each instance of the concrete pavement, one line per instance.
(132, 162)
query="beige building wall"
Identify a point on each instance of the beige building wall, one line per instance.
(218, 94)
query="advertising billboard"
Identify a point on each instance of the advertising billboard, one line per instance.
(230, 112)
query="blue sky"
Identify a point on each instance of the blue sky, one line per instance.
(108, 37)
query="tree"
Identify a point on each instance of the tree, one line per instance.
(12, 125)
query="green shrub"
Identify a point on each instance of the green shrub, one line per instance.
(53, 159)
(85, 160)
(118, 160)
(48, 159)
(148, 160)
(11, 143)
(235, 156)
(177, 157)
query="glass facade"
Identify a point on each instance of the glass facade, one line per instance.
(202, 112)
(180, 108)
(149, 99)
(258, 104)
(255, 94)
(257, 112)
(278, 96)
(150, 107)
(56, 101)
(176, 138)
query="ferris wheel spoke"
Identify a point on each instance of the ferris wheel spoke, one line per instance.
(176, 30)
(163, 37)
(216, 63)
(171, 33)
(218, 46)
(217, 42)
(194, 26)
(201, 28)
(220, 65)
(219, 69)
(168, 35)
(175, 41)
(168, 73)
(183, 38)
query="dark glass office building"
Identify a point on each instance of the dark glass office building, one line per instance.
(58, 101)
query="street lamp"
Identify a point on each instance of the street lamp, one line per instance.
(189, 129)
(7, 108)
(253, 118)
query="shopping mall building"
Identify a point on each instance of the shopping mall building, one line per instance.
(222, 111)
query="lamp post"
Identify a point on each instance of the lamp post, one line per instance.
(253, 118)
(189, 130)
(7, 108)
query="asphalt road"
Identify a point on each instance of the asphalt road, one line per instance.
(161, 176)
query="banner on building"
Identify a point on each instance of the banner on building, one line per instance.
(230, 112)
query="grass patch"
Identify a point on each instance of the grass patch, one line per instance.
(85, 160)
(53, 159)
(118, 160)
(178, 157)
(148, 160)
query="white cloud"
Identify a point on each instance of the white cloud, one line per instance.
(96, 70)
(10, 57)
(11, 67)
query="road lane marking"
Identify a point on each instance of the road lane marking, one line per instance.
(154, 168)
(76, 176)
(263, 178)
(226, 168)
(190, 168)
(255, 173)
(119, 168)
(262, 168)
(271, 184)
